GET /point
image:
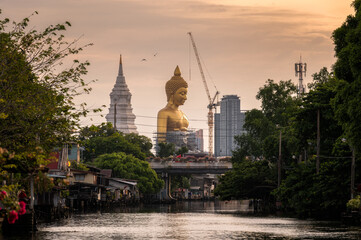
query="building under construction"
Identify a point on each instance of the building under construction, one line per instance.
(191, 139)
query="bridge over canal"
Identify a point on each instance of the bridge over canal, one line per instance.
(167, 168)
(190, 167)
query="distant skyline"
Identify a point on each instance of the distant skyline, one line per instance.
(242, 43)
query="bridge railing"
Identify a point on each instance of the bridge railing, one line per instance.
(190, 164)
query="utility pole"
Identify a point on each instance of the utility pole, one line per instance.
(279, 162)
(352, 172)
(300, 69)
(318, 142)
(115, 116)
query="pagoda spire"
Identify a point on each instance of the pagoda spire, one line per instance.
(120, 71)
(120, 108)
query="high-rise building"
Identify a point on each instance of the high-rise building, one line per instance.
(120, 110)
(228, 124)
(199, 140)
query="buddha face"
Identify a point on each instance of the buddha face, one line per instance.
(180, 96)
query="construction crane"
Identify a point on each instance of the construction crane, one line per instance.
(212, 104)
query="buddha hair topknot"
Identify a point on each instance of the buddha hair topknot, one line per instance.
(175, 83)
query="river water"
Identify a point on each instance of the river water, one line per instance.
(191, 220)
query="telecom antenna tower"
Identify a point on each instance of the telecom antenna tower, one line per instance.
(300, 69)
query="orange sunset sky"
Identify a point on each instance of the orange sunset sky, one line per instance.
(241, 42)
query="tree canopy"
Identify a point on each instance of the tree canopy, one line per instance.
(98, 140)
(36, 90)
(303, 191)
(347, 69)
(128, 167)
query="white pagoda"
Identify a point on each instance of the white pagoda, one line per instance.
(120, 110)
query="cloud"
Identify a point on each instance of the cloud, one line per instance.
(242, 45)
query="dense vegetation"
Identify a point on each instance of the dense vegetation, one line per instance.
(129, 167)
(305, 189)
(107, 148)
(98, 140)
(39, 79)
(40, 76)
(37, 112)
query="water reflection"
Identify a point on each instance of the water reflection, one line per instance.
(195, 220)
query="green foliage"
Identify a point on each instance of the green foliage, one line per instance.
(9, 197)
(337, 98)
(320, 78)
(258, 125)
(354, 204)
(180, 182)
(247, 179)
(102, 130)
(98, 140)
(37, 91)
(79, 166)
(36, 103)
(143, 142)
(165, 149)
(278, 101)
(314, 195)
(246, 146)
(182, 150)
(262, 138)
(43, 183)
(23, 163)
(305, 123)
(129, 167)
(347, 70)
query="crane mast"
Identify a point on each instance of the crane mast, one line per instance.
(211, 104)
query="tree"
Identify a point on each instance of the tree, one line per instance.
(253, 174)
(303, 191)
(305, 123)
(98, 140)
(179, 181)
(262, 137)
(182, 150)
(143, 142)
(258, 127)
(166, 149)
(278, 101)
(36, 100)
(129, 167)
(102, 130)
(248, 179)
(314, 195)
(347, 69)
(115, 143)
(37, 111)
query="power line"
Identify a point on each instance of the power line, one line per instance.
(143, 116)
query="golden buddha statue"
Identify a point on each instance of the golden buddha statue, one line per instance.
(170, 118)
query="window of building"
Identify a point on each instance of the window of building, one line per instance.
(79, 177)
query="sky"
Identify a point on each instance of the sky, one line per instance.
(242, 43)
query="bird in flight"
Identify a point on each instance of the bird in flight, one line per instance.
(144, 59)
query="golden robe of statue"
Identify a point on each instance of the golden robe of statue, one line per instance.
(170, 118)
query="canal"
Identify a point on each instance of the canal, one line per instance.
(190, 220)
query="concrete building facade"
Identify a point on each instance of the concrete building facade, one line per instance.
(199, 140)
(228, 124)
(120, 110)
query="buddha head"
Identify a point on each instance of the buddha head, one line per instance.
(175, 84)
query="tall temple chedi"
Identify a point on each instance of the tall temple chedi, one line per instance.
(120, 110)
